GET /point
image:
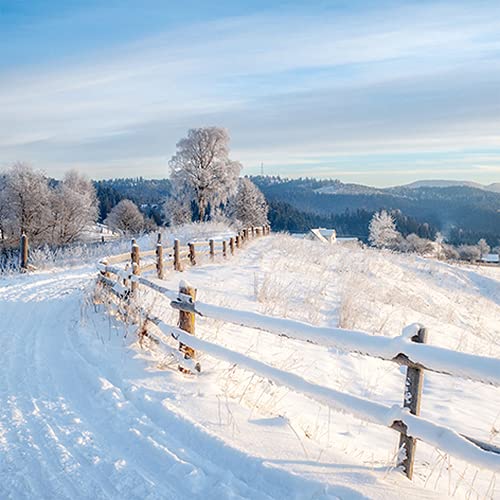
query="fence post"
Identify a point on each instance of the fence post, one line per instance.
(192, 254)
(177, 256)
(135, 262)
(159, 258)
(24, 252)
(238, 242)
(253, 231)
(257, 231)
(105, 273)
(412, 399)
(231, 245)
(187, 323)
(212, 249)
(224, 248)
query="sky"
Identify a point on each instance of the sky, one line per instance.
(379, 93)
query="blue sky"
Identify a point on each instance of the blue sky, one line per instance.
(381, 92)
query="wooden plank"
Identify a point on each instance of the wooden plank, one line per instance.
(148, 267)
(149, 253)
(115, 259)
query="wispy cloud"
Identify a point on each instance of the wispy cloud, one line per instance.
(292, 88)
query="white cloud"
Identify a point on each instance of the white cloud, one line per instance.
(290, 88)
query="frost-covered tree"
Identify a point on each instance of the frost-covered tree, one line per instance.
(483, 246)
(26, 200)
(471, 253)
(126, 217)
(177, 210)
(249, 205)
(383, 233)
(74, 207)
(201, 169)
(413, 243)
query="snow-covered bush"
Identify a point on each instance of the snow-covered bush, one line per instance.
(414, 244)
(126, 218)
(472, 253)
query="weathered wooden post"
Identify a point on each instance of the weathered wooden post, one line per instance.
(245, 234)
(105, 273)
(192, 254)
(224, 248)
(263, 230)
(159, 258)
(177, 256)
(237, 240)
(24, 252)
(212, 249)
(253, 231)
(187, 322)
(231, 245)
(412, 399)
(135, 262)
(257, 231)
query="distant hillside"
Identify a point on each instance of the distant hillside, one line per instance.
(495, 187)
(463, 213)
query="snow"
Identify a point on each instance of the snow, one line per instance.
(85, 411)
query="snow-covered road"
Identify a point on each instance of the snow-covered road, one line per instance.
(74, 424)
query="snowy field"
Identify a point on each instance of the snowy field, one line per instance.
(86, 412)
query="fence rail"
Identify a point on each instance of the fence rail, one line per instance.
(408, 349)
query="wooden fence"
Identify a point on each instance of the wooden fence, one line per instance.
(180, 256)
(409, 349)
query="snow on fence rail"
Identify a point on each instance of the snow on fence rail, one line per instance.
(409, 349)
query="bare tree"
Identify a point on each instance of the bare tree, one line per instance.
(248, 205)
(74, 207)
(126, 217)
(201, 169)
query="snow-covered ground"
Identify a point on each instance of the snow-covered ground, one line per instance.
(86, 412)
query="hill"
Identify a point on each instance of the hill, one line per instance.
(495, 187)
(88, 411)
(463, 213)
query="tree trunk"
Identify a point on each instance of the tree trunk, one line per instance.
(201, 209)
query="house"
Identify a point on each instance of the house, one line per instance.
(490, 258)
(322, 234)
